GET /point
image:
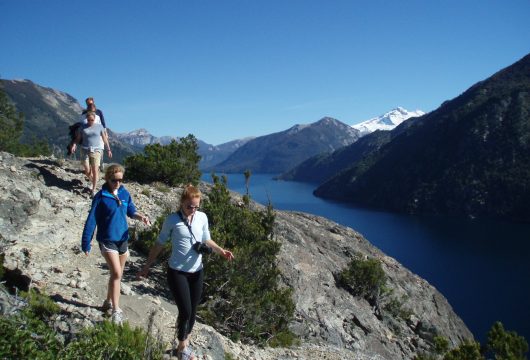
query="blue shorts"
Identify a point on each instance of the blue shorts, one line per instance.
(120, 247)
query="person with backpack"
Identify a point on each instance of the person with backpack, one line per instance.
(93, 139)
(73, 129)
(189, 234)
(91, 106)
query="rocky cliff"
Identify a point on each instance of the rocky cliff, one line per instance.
(44, 203)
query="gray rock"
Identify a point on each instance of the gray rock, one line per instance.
(40, 231)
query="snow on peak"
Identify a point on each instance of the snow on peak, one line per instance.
(387, 121)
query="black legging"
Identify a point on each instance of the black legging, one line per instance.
(187, 290)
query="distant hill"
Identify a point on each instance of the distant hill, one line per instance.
(387, 121)
(322, 167)
(470, 157)
(374, 132)
(48, 113)
(210, 154)
(281, 151)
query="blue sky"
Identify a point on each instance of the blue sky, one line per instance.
(223, 70)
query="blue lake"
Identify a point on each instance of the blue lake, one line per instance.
(481, 267)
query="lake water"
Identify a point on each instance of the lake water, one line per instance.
(481, 267)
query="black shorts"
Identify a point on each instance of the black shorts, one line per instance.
(120, 247)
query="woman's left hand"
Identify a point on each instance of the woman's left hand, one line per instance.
(146, 220)
(227, 254)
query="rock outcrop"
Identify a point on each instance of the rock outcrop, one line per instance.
(43, 206)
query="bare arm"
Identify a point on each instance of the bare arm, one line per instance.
(142, 218)
(153, 254)
(105, 138)
(227, 254)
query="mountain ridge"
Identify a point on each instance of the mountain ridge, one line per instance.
(277, 152)
(469, 157)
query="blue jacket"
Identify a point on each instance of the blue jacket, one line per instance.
(109, 216)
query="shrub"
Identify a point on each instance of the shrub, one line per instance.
(364, 278)
(468, 350)
(144, 239)
(244, 299)
(172, 164)
(110, 341)
(11, 128)
(40, 305)
(29, 338)
(395, 308)
(506, 345)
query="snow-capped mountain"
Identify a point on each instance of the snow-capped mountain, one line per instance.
(386, 121)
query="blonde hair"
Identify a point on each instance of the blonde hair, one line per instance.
(113, 169)
(189, 192)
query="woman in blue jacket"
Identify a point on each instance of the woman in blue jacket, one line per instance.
(110, 208)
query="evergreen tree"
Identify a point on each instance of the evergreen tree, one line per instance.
(11, 125)
(11, 129)
(172, 164)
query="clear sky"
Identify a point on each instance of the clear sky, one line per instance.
(227, 69)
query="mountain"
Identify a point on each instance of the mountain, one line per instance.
(210, 154)
(280, 151)
(468, 157)
(48, 113)
(321, 167)
(387, 121)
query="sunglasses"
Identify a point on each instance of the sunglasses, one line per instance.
(115, 181)
(192, 207)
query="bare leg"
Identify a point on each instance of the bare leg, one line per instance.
(116, 271)
(95, 176)
(86, 169)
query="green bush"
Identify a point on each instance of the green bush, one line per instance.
(110, 341)
(39, 304)
(364, 278)
(29, 338)
(173, 164)
(144, 240)
(11, 129)
(32, 336)
(395, 308)
(243, 297)
(468, 350)
(506, 345)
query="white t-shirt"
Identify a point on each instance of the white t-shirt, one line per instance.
(183, 256)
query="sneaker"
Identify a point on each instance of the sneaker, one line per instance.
(107, 305)
(186, 354)
(117, 317)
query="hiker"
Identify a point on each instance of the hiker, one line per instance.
(190, 238)
(93, 139)
(110, 207)
(91, 106)
(100, 119)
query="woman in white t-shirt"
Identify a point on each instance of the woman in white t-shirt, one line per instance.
(93, 139)
(190, 238)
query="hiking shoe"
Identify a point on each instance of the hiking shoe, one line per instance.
(107, 305)
(117, 317)
(186, 354)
